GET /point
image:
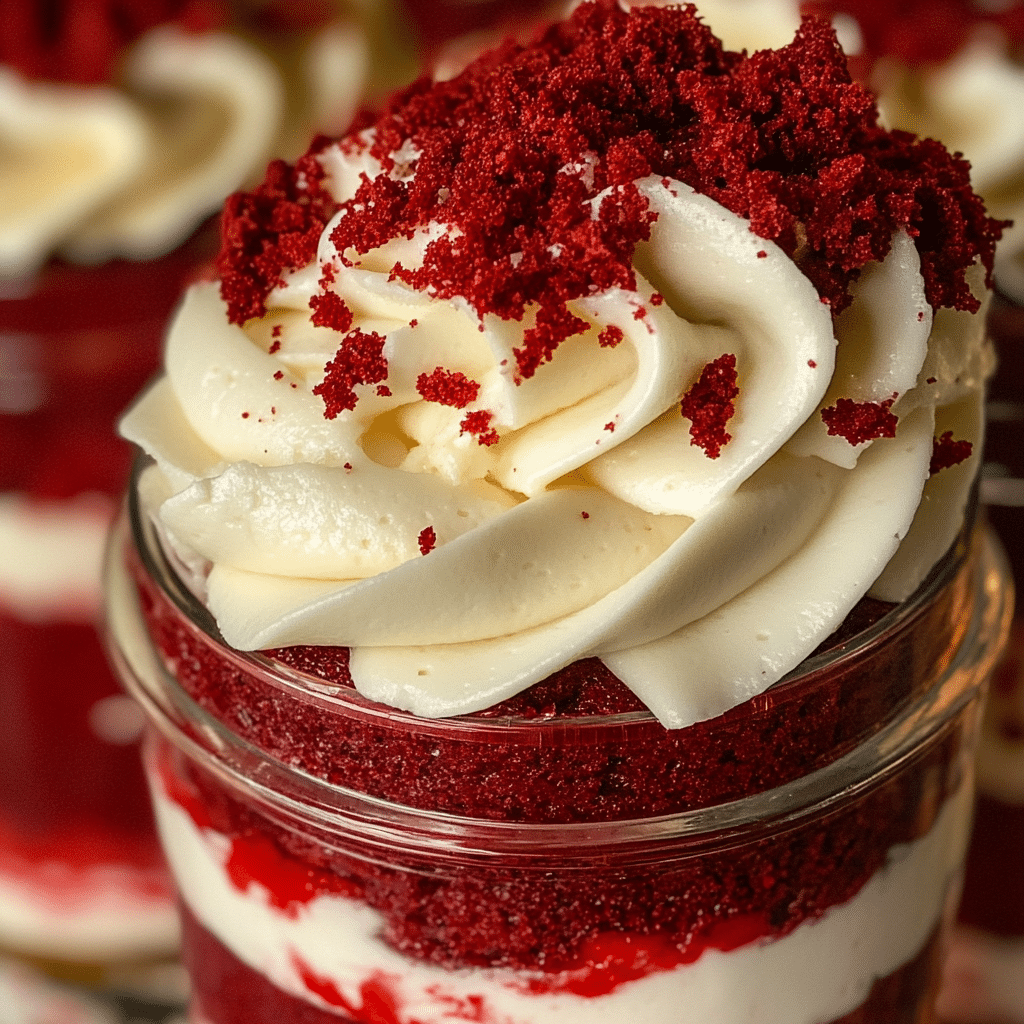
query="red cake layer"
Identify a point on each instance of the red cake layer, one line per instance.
(540, 767)
(77, 344)
(64, 792)
(230, 992)
(506, 912)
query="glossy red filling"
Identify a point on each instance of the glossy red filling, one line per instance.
(230, 992)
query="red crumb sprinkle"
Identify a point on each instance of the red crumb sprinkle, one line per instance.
(709, 405)
(454, 389)
(860, 421)
(279, 375)
(330, 310)
(931, 380)
(359, 360)
(245, 415)
(922, 32)
(414, 323)
(783, 138)
(610, 336)
(946, 452)
(657, 299)
(276, 331)
(762, 254)
(584, 515)
(478, 423)
(383, 391)
(271, 230)
(920, 316)
(275, 347)
(427, 540)
(610, 426)
(83, 42)
(347, 467)
(812, 364)
(640, 312)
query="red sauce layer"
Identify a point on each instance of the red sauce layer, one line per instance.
(228, 991)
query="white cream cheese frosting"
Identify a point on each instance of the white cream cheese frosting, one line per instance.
(593, 527)
(132, 169)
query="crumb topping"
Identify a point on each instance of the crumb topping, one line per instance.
(478, 423)
(709, 405)
(454, 389)
(271, 230)
(529, 158)
(81, 41)
(360, 360)
(946, 452)
(860, 421)
(427, 540)
(921, 32)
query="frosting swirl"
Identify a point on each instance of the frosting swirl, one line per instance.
(692, 481)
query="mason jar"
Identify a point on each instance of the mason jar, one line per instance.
(795, 861)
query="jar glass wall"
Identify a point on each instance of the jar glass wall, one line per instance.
(795, 860)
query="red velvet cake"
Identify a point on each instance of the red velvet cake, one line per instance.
(553, 579)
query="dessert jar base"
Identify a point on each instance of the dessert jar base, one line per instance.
(813, 900)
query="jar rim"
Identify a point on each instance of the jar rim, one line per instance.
(288, 792)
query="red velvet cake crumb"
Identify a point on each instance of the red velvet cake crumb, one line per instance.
(946, 452)
(271, 230)
(860, 421)
(360, 360)
(478, 423)
(708, 405)
(454, 389)
(427, 540)
(529, 157)
(610, 336)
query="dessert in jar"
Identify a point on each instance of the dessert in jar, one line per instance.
(552, 577)
(123, 127)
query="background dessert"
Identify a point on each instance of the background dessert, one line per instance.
(123, 126)
(517, 382)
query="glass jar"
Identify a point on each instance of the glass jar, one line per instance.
(83, 887)
(794, 861)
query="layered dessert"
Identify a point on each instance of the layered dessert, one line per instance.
(553, 580)
(122, 128)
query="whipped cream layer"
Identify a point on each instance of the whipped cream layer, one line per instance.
(593, 526)
(131, 169)
(822, 970)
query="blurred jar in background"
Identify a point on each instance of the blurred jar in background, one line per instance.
(123, 125)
